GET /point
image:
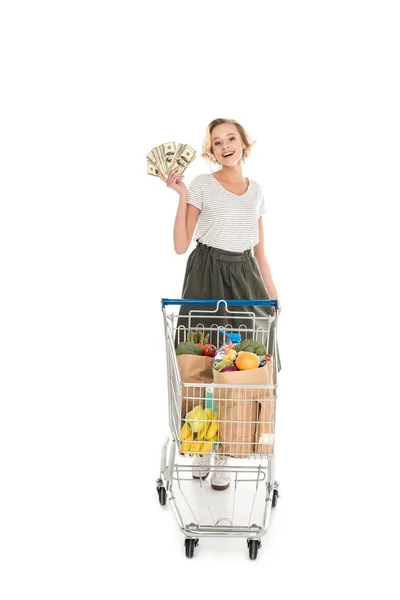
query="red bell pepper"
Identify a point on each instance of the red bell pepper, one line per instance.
(209, 350)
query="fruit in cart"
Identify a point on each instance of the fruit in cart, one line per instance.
(185, 446)
(201, 435)
(230, 352)
(212, 430)
(247, 360)
(209, 413)
(195, 447)
(196, 419)
(232, 356)
(188, 348)
(229, 368)
(223, 363)
(208, 445)
(251, 346)
(185, 433)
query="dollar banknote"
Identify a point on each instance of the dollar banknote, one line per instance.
(166, 157)
(169, 150)
(160, 161)
(151, 158)
(182, 158)
(152, 170)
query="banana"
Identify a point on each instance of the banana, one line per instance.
(212, 430)
(185, 446)
(206, 447)
(195, 447)
(209, 413)
(202, 433)
(208, 425)
(185, 433)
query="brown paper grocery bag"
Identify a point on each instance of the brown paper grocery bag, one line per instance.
(238, 408)
(194, 369)
(264, 436)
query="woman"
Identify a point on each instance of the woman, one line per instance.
(229, 261)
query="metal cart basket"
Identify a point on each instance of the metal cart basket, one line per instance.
(234, 419)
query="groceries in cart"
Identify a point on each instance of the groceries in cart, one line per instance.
(197, 344)
(240, 355)
(199, 433)
(194, 356)
(241, 414)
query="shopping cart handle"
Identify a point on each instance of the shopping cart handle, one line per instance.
(192, 302)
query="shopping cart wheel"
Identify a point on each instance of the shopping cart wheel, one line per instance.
(162, 495)
(253, 545)
(190, 545)
(274, 498)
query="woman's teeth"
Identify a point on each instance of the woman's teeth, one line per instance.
(228, 154)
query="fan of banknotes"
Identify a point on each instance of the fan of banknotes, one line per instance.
(169, 156)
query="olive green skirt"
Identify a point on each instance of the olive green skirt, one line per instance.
(217, 274)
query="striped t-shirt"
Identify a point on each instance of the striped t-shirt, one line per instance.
(226, 221)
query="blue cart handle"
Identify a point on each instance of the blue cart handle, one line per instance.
(194, 302)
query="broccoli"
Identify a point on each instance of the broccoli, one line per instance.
(189, 348)
(251, 346)
(260, 350)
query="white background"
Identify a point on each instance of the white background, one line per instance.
(86, 254)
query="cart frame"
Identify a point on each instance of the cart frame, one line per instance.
(174, 469)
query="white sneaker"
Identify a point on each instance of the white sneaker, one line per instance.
(220, 480)
(201, 466)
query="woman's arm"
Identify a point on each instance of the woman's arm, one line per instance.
(263, 265)
(185, 223)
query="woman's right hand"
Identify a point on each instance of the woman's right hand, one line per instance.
(174, 180)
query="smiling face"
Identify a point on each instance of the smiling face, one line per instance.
(227, 144)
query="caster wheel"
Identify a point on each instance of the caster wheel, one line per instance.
(253, 546)
(190, 545)
(274, 498)
(162, 495)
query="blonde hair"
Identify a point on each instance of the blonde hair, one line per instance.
(207, 152)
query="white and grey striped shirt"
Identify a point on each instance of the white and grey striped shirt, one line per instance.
(226, 221)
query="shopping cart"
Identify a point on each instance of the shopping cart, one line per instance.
(245, 417)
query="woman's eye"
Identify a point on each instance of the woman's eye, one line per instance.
(230, 139)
